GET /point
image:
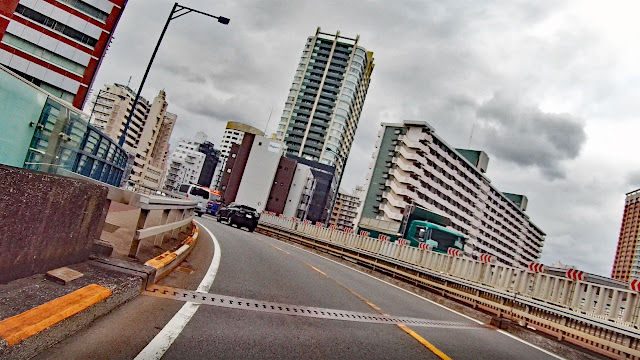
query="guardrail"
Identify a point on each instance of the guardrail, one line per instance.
(176, 213)
(601, 318)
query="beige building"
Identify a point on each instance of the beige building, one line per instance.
(345, 210)
(147, 138)
(160, 153)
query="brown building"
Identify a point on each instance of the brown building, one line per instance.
(626, 265)
(234, 169)
(281, 185)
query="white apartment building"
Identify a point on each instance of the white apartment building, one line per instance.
(233, 134)
(412, 165)
(185, 162)
(300, 192)
(111, 109)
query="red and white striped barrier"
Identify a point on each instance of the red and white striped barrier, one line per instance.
(578, 275)
(332, 227)
(319, 224)
(454, 252)
(537, 267)
(364, 233)
(383, 237)
(634, 285)
(424, 246)
(347, 230)
(487, 258)
(402, 241)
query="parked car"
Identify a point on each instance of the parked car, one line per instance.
(240, 215)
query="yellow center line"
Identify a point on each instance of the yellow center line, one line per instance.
(404, 327)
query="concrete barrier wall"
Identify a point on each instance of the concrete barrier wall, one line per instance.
(46, 221)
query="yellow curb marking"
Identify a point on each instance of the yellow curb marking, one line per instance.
(17, 328)
(166, 257)
(162, 259)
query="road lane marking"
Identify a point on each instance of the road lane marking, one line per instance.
(163, 340)
(424, 342)
(402, 326)
(423, 298)
(238, 303)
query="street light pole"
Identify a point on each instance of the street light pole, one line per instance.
(179, 10)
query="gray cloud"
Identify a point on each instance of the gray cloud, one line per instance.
(526, 136)
(533, 76)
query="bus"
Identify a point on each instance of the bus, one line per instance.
(199, 193)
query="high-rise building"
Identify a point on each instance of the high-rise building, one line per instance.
(626, 265)
(414, 166)
(160, 153)
(192, 162)
(150, 120)
(345, 210)
(58, 45)
(233, 134)
(325, 100)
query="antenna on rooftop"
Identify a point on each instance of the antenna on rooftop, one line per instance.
(129, 82)
(471, 135)
(268, 120)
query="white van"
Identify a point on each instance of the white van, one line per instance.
(196, 192)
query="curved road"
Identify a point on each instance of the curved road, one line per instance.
(257, 267)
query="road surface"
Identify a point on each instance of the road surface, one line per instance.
(257, 267)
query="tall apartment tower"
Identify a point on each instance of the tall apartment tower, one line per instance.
(412, 165)
(626, 265)
(58, 45)
(323, 108)
(160, 153)
(233, 134)
(149, 122)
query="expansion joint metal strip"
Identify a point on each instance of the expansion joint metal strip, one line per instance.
(295, 310)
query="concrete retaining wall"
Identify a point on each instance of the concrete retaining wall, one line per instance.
(46, 221)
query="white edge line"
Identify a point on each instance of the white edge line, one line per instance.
(163, 340)
(530, 344)
(430, 301)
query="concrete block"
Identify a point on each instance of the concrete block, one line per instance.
(48, 221)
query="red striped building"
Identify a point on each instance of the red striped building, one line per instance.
(626, 265)
(58, 45)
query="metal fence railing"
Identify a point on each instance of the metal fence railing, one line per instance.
(600, 317)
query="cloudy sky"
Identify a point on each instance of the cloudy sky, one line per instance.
(546, 86)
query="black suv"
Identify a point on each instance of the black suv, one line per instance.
(240, 215)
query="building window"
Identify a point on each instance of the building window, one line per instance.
(55, 25)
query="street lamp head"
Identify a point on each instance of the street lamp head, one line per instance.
(223, 20)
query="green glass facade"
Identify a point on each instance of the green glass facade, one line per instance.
(43, 133)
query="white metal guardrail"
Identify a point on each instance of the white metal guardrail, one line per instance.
(602, 318)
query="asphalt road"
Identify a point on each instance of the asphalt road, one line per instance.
(257, 267)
